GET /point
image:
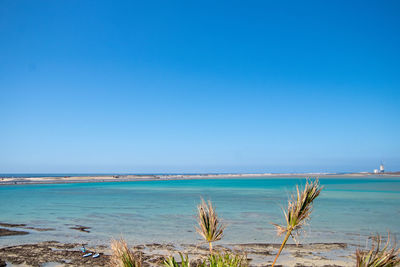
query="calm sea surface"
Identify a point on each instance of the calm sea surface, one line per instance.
(348, 210)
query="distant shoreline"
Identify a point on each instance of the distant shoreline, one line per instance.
(165, 177)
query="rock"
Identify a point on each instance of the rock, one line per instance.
(81, 228)
(11, 225)
(39, 229)
(7, 232)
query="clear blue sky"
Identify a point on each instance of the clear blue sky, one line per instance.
(199, 86)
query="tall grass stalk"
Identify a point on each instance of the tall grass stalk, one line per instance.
(378, 256)
(210, 227)
(298, 211)
(123, 256)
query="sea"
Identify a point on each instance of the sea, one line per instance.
(349, 210)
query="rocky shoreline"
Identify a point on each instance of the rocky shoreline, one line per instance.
(54, 253)
(60, 254)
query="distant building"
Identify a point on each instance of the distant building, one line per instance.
(376, 171)
(381, 168)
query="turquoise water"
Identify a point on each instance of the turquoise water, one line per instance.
(348, 210)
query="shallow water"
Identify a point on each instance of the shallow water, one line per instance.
(348, 210)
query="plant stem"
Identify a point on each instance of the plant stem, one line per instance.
(283, 244)
(210, 244)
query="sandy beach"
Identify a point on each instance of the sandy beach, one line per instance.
(53, 253)
(8, 180)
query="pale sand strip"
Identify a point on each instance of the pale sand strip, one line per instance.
(125, 178)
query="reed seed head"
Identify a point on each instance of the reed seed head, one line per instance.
(300, 207)
(210, 227)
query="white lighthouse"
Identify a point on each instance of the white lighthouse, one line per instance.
(381, 168)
